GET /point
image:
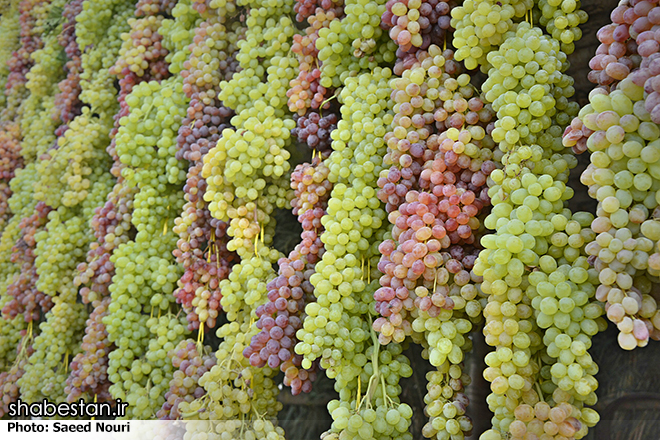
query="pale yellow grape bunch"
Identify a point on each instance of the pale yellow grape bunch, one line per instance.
(524, 235)
(524, 70)
(480, 26)
(338, 53)
(234, 192)
(95, 20)
(139, 322)
(95, 80)
(624, 177)
(561, 19)
(376, 413)
(362, 24)
(166, 332)
(223, 9)
(22, 205)
(59, 248)
(263, 54)
(538, 315)
(247, 168)
(40, 119)
(354, 213)
(66, 173)
(57, 344)
(237, 295)
(9, 34)
(178, 33)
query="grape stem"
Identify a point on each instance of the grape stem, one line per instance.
(24, 344)
(386, 398)
(539, 391)
(65, 362)
(256, 246)
(202, 402)
(325, 102)
(200, 339)
(373, 380)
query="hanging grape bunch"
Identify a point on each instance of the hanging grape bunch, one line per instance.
(420, 152)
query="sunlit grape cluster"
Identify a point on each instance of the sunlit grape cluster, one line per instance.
(45, 372)
(59, 248)
(561, 20)
(10, 30)
(481, 26)
(540, 321)
(68, 172)
(353, 44)
(526, 112)
(11, 259)
(30, 40)
(111, 225)
(40, 119)
(151, 165)
(619, 128)
(11, 332)
(446, 402)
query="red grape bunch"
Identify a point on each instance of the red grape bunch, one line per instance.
(439, 158)
(305, 91)
(283, 314)
(26, 299)
(184, 386)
